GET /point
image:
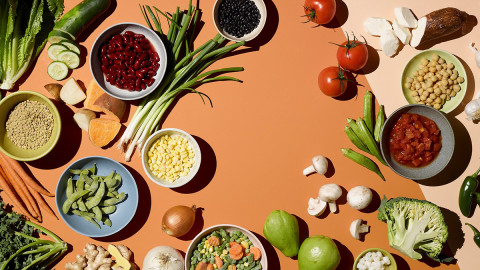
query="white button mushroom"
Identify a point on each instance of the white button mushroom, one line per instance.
(359, 197)
(330, 193)
(356, 228)
(316, 207)
(319, 165)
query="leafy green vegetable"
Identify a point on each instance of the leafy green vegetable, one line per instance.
(24, 28)
(414, 226)
(20, 245)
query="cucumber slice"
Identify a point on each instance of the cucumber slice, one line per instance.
(56, 36)
(54, 50)
(70, 58)
(71, 45)
(57, 70)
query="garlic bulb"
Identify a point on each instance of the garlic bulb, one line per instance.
(472, 110)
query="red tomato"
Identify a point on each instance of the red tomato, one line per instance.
(352, 55)
(320, 11)
(332, 81)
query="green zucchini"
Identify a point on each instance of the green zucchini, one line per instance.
(78, 18)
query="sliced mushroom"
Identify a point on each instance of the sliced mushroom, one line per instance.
(356, 228)
(316, 207)
(330, 193)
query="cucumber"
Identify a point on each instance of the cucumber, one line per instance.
(57, 70)
(57, 36)
(54, 50)
(80, 16)
(70, 58)
(71, 45)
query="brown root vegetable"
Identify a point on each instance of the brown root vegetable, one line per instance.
(54, 90)
(83, 117)
(93, 93)
(102, 131)
(437, 24)
(114, 108)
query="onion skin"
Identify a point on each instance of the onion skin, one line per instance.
(178, 220)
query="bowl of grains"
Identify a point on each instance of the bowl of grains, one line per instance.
(239, 20)
(171, 157)
(29, 125)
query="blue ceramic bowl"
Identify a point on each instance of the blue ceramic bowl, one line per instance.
(125, 210)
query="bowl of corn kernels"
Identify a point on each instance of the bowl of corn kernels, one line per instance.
(171, 157)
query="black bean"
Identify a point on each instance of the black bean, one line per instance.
(238, 17)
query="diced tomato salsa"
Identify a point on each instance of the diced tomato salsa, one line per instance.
(415, 140)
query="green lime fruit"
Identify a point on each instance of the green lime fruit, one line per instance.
(318, 253)
(281, 230)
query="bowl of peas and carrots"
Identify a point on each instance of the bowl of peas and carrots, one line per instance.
(226, 245)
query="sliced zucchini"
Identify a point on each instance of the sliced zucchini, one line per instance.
(57, 70)
(56, 36)
(54, 50)
(70, 58)
(71, 45)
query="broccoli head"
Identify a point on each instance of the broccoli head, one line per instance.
(413, 226)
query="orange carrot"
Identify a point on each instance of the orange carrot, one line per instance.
(210, 267)
(23, 193)
(201, 266)
(14, 166)
(237, 257)
(213, 241)
(10, 193)
(256, 253)
(235, 249)
(42, 203)
(218, 262)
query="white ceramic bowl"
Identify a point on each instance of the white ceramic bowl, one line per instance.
(263, 19)
(183, 179)
(96, 66)
(229, 228)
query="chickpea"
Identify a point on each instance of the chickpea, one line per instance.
(435, 57)
(421, 66)
(450, 82)
(433, 63)
(423, 98)
(438, 91)
(418, 85)
(425, 94)
(429, 100)
(421, 102)
(432, 96)
(409, 79)
(456, 88)
(425, 69)
(438, 100)
(448, 98)
(449, 72)
(443, 87)
(421, 73)
(460, 79)
(429, 83)
(434, 78)
(438, 67)
(455, 72)
(415, 73)
(455, 81)
(441, 60)
(424, 61)
(444, 65)
(430, 74)
(444, 82)
(453, 93)
(443, 96)
(453, 76)
(417, 98)
(430, 90)
(420, 78)
(408, 85)
(448, 92)
(439, 76)
(437, 106)
(432, 69)
(450, 66)
(414, 93)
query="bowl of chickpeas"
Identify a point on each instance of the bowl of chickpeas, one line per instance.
(434, 78)
(171, 157)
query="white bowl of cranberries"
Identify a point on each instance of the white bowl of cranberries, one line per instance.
(128, 61)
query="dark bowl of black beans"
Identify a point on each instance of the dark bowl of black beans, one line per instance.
(239, 20)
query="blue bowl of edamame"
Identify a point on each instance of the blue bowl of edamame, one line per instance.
(122, 193)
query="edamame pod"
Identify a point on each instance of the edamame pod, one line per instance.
(362, 160)
(70, 200)
(95, 200)
(98, 213)
(109, 202)
(108, 209)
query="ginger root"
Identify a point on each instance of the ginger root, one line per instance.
(97, 258)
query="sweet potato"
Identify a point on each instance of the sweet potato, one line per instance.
(102, 131)
(437, 24)
(93, 93)
(114, 108)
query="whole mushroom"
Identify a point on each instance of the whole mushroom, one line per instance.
(329, 193)
(319, 165)
(359, 197)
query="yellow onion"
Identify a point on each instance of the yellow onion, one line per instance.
(178, 220)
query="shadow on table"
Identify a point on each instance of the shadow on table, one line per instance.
(347, 257)
(456, 236)
(470, 89)
(207, 170)
(273, 261)
(460, 158)
(372, 63)
(67, 145)
(142, 213)
(270, 28)
(401, 263)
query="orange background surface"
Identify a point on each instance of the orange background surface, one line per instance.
(255, 142)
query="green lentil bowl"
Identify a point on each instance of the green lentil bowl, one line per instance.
(6, 144)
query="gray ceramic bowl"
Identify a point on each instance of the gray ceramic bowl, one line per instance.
(229, 228)
(443, 158)
(96, 65)
(125, 210)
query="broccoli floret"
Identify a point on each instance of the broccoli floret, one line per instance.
(414, 225)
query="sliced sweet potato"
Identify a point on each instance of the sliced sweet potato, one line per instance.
(102, 131)
(93, 93)
(113, 108)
